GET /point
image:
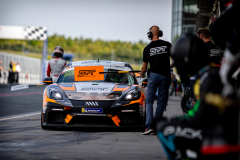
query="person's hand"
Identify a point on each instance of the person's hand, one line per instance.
(142, 76)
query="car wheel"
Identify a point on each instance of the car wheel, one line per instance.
(186, 102)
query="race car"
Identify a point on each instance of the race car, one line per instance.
(94, 93)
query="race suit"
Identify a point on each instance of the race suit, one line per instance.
(225, 32)
(206, 126)
(55, 66)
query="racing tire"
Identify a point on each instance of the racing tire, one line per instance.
(186, 103)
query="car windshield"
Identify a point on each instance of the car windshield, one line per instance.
(68, 77)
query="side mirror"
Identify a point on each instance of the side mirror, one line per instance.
(144, 82)
(47, 80)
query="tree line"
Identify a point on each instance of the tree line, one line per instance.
(82, 48)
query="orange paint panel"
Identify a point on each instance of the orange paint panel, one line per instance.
(137, 74)
(120, 89)
(116, 120)
(68, 88)
(68, 118)
(89, 73)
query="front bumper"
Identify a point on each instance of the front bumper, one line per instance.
(128, 116)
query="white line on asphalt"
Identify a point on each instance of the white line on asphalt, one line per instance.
(19, 116)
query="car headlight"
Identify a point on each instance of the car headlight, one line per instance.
(132, 95)
(53, 93)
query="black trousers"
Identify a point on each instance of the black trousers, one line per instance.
(16, 76)
(11, 77)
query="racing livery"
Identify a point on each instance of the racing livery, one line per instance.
(102, 93)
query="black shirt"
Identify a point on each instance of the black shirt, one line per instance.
(157, 54)
(214, 53)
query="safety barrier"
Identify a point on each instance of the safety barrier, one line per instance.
(30, 68)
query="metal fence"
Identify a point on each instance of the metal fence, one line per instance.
(30, 68)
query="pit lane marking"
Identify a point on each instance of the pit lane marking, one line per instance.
(19, 116)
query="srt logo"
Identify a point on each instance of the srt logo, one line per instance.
(91, 104)
(214, 52)
(158, 49)
(86, 72)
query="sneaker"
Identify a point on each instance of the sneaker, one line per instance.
(147, 131)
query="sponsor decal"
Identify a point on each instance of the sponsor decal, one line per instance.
(92, 110)
(188, 133)
(18, 87)
(118, 104)
(68, 73)
(93, 89)
(88, 73)
(91, 104)
(80, 114)
(116, 66)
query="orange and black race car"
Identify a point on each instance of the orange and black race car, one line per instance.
(90, 93)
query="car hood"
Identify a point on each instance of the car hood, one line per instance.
(94, 91)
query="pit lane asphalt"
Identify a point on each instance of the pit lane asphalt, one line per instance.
(21, 136)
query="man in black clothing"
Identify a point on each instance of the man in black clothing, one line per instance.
(209, 131)
(10, 72)
(157, 55)
(215, 55)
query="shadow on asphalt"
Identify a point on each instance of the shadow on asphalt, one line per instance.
(98, 129)
(174, 100)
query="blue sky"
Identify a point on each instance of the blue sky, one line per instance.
(125, 20)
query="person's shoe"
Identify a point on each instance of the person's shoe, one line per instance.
(147, 131)
(153, 133)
